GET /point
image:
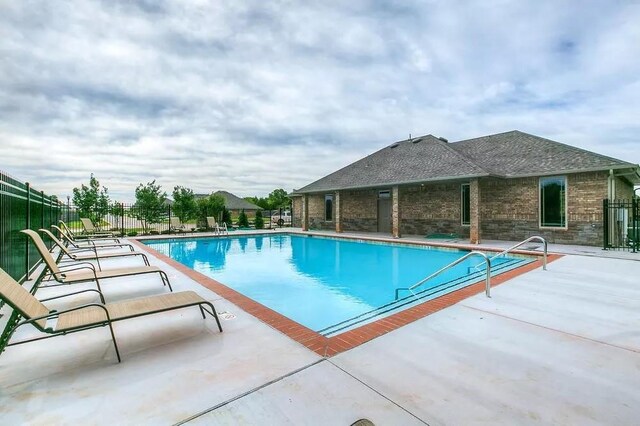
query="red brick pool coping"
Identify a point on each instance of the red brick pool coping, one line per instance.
(329, 346)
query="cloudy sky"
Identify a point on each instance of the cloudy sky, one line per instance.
(248, 96)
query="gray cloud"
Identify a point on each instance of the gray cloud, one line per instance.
(249, 96)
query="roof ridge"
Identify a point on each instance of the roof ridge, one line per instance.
(464, 157)
(492, 134)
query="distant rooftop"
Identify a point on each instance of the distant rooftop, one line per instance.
(233, 202)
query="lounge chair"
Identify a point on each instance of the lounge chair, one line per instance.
(90, 229)
(88, 242)
(92, 252)
(175, 225)
(217, 228)
(85, 271)
(91, 315)
(84, 237)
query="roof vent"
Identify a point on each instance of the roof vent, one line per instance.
(416, 140)
(443, 139)
(395, 145)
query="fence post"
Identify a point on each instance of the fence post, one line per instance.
(605, 223)
(42, 209)
(122, 218)
(635, 232)
(28, 226)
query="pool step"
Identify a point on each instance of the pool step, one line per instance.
(419, 297)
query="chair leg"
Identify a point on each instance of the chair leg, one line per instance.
(165, 280)
(215, 314)
(115, 344)
(201, 311)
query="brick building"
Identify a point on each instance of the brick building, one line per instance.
(506, 186)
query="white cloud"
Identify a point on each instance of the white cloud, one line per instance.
(250, 96)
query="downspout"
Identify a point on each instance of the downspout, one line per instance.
(610, 185)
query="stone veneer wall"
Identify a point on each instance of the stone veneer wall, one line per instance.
(510, 209)
(624, 190)
(359, 210)
(316, 213)
(296, 213)
(432, 209)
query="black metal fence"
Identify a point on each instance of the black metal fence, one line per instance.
(22, 207)
(132, 220)
(621, 224)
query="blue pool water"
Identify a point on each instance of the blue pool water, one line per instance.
(326, 284)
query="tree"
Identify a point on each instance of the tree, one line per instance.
(226, 216)
(150, 204)
(184, 204)
(92, 201)
(243, 220)
(278, 199)
(259, 201)
(212, 205)
(117, 211)
(259, 221)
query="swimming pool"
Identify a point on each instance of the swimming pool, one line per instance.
(327, 284)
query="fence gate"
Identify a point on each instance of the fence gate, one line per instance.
(621, 224)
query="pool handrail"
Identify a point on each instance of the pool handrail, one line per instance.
(535, 237)
(450, 265)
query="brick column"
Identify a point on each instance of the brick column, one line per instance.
(474, 231)
(338, 214)
(305, 212)
(395, 212)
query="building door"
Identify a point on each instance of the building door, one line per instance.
(384, 211)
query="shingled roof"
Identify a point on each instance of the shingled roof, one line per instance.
(233, 202)
(427, 158)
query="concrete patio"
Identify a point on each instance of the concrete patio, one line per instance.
(550, 347)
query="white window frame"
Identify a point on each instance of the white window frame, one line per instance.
(462, 204)
(566, 203)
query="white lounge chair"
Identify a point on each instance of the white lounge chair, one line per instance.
(217, 228)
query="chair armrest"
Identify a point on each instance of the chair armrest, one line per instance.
(74, 293)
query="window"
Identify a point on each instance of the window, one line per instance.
(328, 207)
(553, 202)
(465, 200)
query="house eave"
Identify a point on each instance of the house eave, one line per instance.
(630, 167)
(389, 184)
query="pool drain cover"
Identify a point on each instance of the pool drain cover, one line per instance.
(226, 315)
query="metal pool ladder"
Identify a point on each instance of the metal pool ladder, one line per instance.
(451, 265)
(535, 237)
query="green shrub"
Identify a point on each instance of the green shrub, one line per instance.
(259, 221)
(226, 216)
(132, 233)
(243, 220)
